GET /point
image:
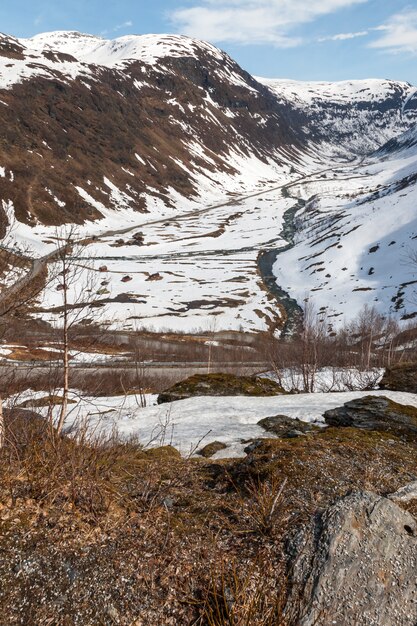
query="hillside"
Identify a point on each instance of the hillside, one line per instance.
(191, 175)
(354, 239)
(350, 118)
(137, 124)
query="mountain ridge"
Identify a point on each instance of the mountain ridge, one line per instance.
(236, 124)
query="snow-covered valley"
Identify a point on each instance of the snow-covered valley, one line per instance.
(191, 261)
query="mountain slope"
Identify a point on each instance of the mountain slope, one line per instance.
(350, 117)
(141, 131)
(147, 123)
(355, 238)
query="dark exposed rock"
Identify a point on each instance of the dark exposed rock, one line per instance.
(253, 446)
(211, 448)
(286, 427)
(356, 566)
(220, 385)
(155, 276)
(375, 413)
(400, 378)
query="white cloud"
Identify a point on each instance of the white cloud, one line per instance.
(344, 36)
(253, 21)
(126, 24)
(116, 28)
(399, 33)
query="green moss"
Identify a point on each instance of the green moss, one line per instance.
(404, 409)
(220, 384)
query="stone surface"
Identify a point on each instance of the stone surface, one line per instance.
(356, 566)
(405, 494)
(400, 378)
(220, 385)
(287, 427)
(375, 413)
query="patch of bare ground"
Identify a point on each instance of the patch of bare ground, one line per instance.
(104, 532)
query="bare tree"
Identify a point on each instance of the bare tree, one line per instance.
(76, 280)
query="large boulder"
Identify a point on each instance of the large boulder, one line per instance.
(375, 413)
(220, 385)
(356, 566)
(400, 378)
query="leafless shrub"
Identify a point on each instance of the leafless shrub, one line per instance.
(351, 356)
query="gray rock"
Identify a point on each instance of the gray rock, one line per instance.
(286, 427)
(375, 413)
(356, 566)
(405, 494)
(253, 445)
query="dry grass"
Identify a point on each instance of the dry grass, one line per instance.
(105, 532)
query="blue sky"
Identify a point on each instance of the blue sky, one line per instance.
(301, 39)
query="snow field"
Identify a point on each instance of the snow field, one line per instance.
(190, 424)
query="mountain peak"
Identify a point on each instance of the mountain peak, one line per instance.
(94, 49)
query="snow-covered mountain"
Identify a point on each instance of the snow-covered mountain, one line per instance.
(144, 122)
(355, 238)
(169, 135)
(350, 117)
(141, 123)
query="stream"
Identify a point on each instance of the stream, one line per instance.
(266, 260)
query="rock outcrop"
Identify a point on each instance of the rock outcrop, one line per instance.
(287, 427)
(356, 566)
(375, 413)
(400, 378)
(405, 494)
(220, 385)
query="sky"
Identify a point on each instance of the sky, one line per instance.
(300, 39)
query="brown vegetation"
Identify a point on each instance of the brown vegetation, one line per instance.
(108, 533)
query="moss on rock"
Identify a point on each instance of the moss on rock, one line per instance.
(220, 385)
(163, 452)
(211, 448)
(375, 413)
(400, 378)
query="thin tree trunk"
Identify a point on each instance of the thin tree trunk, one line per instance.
(1, 424)
(65, 358)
